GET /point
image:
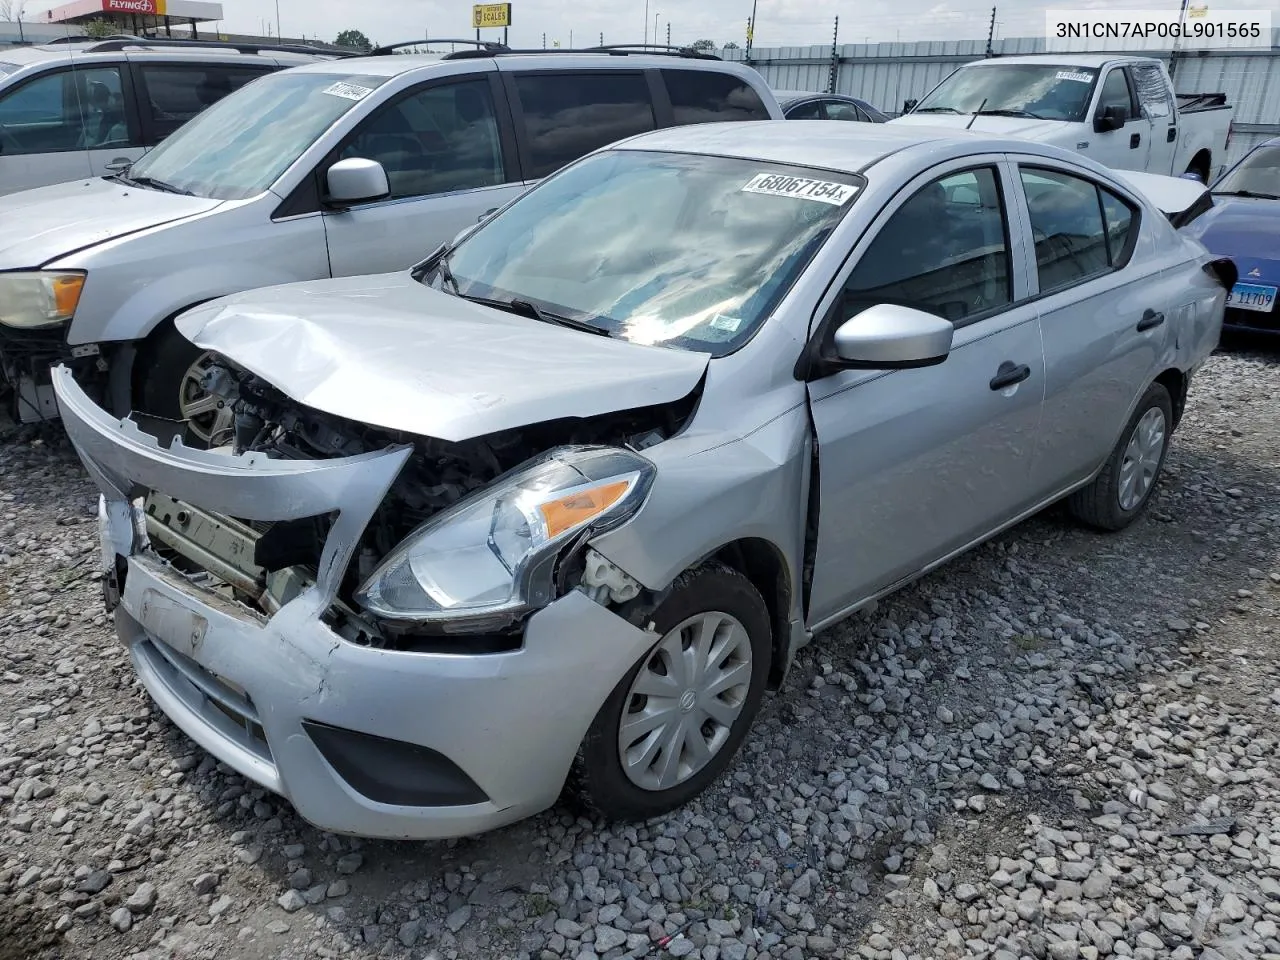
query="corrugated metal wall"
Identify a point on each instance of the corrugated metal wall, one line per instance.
(886, 74)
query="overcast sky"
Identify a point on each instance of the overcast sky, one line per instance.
(778, 22)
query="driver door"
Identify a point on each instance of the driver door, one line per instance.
(916, 464)
(1127, 147)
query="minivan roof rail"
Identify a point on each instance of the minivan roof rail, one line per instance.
(485, 45)
(492, 49)
(121, 43)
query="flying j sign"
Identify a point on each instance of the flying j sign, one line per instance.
(491, 15)
(149, 7)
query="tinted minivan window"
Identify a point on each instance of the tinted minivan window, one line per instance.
(569, 115)
(699, 96)
(173, 94)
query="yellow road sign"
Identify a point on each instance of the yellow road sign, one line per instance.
(491, 15)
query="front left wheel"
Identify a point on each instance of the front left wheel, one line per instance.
(170, 387)
(673, 724)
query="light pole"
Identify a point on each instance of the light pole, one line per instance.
(646, 21)
(655, 27)
(278, 19)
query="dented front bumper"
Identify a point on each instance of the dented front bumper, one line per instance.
(361, 740)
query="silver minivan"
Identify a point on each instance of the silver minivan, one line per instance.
(332, 169)
(73, 110)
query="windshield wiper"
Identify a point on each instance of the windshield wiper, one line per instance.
(533, 310)
(935, 110)
(160, 185)
(1010, 113)
(1252, 194)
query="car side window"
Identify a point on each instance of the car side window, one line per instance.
(839, 110)
(439, 139)
(703, 96)
(172, 94)
(1080, 230)
(568, 115)
(1115, 93)
(944, 251)
(67, 110)
(807, 111)
(1153, 91)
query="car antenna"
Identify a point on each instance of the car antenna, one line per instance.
(978, 111)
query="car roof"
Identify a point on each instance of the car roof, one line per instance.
(847, 147)
(1090, 60)
(787, 97)
(84, 52)
(394, 65)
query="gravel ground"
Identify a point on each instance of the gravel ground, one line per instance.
(1059, 746)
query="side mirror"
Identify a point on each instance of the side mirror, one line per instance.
(1110, 118)
(357, 181)
(887, 336)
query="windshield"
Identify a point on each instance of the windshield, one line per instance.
(686, 251)
(1259, 172)
(240, 145)
(1039, 91)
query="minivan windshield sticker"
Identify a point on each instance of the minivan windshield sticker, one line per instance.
(1077, 77)
(781, 185)
(348, 91)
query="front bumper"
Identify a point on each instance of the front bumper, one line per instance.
(254, 690)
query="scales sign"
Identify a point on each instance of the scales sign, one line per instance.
(491, 15)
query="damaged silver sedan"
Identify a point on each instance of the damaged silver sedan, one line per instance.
(557, 508)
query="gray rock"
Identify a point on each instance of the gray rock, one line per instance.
(121, 919)
(291, 901)
(458, 919)
(142, 899)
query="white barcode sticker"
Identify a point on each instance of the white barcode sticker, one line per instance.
(1072, 75)
(348, 91)
(781, 185)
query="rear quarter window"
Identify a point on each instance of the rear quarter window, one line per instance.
(704, 96)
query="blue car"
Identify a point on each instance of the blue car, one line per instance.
(1244, 224)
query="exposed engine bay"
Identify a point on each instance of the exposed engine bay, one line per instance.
(264, 565)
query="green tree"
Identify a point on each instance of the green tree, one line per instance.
(701, 45)
(354, 40)
(100, 28)
(730, 46)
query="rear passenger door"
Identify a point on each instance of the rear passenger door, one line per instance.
(1101, 308)
(449, 156)
(53, 125)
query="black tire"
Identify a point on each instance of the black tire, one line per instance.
(597, 783)
(1200, 171)
(161, 366)
(1098, 504)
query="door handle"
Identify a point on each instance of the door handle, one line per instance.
(1173, 135)
(1150, 320)
(118, 164)
(1134, 140)
(1009, 374)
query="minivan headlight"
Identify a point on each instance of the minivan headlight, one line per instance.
(492, 556)
(33, 300)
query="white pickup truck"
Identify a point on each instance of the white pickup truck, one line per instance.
(1120, 111)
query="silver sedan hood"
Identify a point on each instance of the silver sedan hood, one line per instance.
(390, 352)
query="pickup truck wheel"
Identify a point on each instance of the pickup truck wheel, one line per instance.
(171, 371)
(1120, 492)
(672, 725)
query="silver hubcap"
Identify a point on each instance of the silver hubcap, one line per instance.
(205, 414)
(684, 701)
(1142, 459)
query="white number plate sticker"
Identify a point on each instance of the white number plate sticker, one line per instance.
(348, 91)
(781, 185)
(1252, 296)
(1072, 75)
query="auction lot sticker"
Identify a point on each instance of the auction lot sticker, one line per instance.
(783, 185)
(348, 91)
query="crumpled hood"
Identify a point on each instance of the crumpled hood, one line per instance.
(37, 226)
(1241, 228)
(1019, 127)
(390, 352)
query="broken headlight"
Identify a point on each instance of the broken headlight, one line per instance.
(492, 556)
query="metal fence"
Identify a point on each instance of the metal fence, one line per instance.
(887, 74)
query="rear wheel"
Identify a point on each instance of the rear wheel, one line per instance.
(1121, 491)
(170, 386)
(674, 722)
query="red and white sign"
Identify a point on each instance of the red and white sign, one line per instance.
(88, 9)
(153, 8)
